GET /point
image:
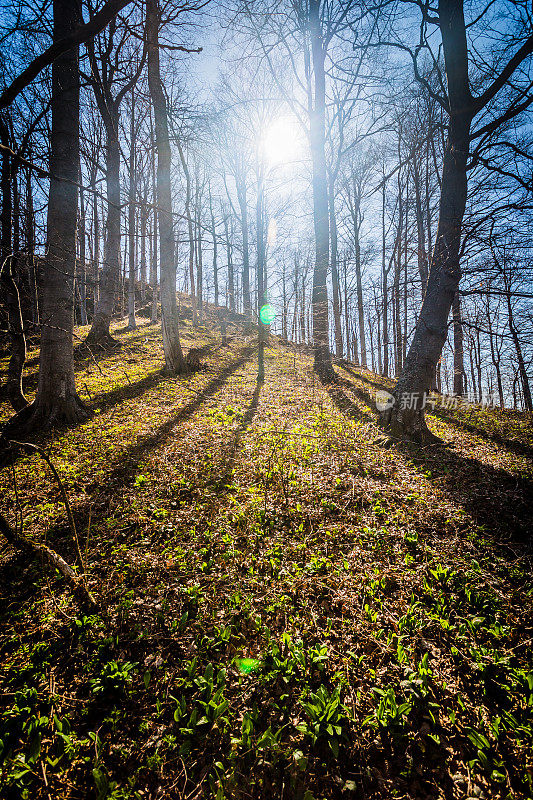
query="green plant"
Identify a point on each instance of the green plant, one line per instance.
(389, 715)
(114, 678)
(327, 718)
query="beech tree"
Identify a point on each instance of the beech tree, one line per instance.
(57, 400)
(462, 107)
(111, 84)
(174, 360)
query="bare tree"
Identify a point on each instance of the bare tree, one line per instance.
(174, 360)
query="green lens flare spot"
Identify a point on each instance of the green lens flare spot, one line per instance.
(267, 314)
(248, 665)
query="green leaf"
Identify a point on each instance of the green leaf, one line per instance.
(101, 782)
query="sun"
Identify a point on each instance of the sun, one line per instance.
(282, 142)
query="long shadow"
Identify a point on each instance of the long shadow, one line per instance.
(229, 457)
(519, 448)
(123, 471)
(509, 444)
(105, 400)
(349, 368)
(497, 500)
(346, 405)
(83, 357)
(130, 391)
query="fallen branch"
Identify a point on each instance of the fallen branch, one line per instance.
(33, 549)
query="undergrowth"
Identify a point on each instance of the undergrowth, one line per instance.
(290, 605)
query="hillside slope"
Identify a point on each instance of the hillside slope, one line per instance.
(291, 605)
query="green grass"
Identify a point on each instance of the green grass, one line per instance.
(290, 605)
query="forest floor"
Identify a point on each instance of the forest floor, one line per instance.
(291, 605)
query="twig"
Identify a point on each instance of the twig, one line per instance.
(70, 516)
(76, 584)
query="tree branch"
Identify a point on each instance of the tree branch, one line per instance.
(79, 36)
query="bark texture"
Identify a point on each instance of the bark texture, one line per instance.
(174, 360)
(323, 364)
(406, 417)
(57, 401)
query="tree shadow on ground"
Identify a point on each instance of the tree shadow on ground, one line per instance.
(117, 477)
(492, 436)
(493, 497)
(346, 405)
(229, 457)
(516, 447)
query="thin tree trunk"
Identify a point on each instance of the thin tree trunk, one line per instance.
(243, 207)
(12, 389)
(346, 308)
(323, 363)
(99, 334)
(143, 225)
(261, 272)
(215, 250)
(199, 255)
(526, 390)
(458, 356)
(82, 272)
(334, 269)
(188, 195)
(30, 246)
(359, 283)
(421, 243)
(132, 323)
(495, 354)
(96, 247)
(229, 250)
(169, 310)
(154, 240)
(384, 289)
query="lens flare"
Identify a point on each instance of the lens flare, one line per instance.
(248, 665)
(267, 314)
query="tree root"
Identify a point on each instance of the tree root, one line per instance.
(101, 340)
(409, 425)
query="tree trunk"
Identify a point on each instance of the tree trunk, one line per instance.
(359, 283)
(174, 360)
(99, 335)
(243, 207)
(57, 401)
(215, 250)
(495, 354)
(421, 243)
(335, 270)
(458, 348)
(132, 323)
(323, 364)
(261, 273)
(12, 389)
(231, 285)
(384, 289)
(199, 254)
(154, 240)
(189, 228)
(142, 265)
(30, 246)
(407, 419)
(346, 308)
(96, 247)
(82, 272)
(521, 365)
